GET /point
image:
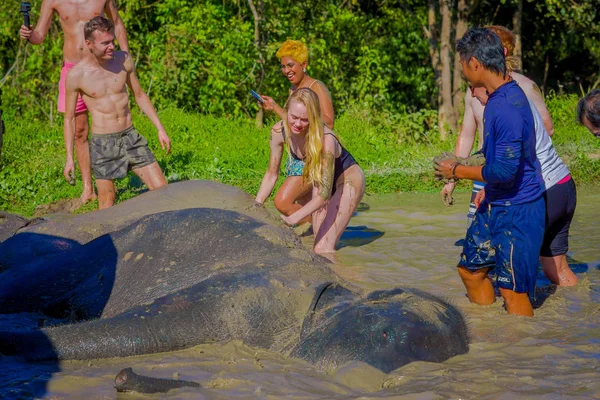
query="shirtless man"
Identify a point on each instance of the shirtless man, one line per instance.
(72, 14)
(101, 78)
(473, 116)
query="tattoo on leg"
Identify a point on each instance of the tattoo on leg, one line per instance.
(327, 179)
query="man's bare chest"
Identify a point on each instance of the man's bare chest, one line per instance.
(78, 11)
(100, 84)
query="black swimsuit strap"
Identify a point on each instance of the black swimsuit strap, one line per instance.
(291, 151)
(336, 139)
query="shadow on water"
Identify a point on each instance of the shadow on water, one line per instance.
(542, 293)
(577, 267)
(543, 287)
(356, 236)
(46, 281)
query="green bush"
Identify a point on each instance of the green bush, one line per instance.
(573, 142)
(232, 151)
(394, 150)
(200, 55)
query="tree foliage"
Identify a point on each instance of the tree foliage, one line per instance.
(560, 39)
(201, 55)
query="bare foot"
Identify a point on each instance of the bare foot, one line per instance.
(87, 196)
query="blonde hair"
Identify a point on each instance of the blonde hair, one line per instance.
(313, 146)
(295, 49)
(508, 42)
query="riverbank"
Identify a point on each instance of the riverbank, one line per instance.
(394, 151)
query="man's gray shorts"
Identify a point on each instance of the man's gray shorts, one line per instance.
(114, 154)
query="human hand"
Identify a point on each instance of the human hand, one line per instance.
(289, 220)
(479, 197)
(165, 141)
(69, 171)
(445, 169)
(437, 160)
(268, 104)
(256, 207)
(446, 194)
(25, 32)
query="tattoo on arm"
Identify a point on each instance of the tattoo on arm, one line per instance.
(327, 179)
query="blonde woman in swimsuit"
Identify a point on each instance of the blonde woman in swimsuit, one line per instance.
(293, 193)
(336, 180)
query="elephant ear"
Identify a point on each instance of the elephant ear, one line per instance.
(308, 320)
(329, 297)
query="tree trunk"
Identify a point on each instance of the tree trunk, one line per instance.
(546, 69)
(257, 43)
(446, 117)
(517, 19)
(431, 33)
(457, 85)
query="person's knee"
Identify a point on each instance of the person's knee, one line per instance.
(517, 303)
(511, 295)
(471, 276)
(152, 176)
(160, 182)
(283, 204)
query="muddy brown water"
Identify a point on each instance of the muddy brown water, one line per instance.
(403, 240)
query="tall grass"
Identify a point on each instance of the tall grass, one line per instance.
(394, 151)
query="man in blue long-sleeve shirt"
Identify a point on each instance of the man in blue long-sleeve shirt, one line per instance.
(508, 228)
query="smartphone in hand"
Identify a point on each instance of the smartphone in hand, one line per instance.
(257, 97)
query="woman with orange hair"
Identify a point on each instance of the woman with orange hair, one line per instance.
(293, 55)
(337, 182)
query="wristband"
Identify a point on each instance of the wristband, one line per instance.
(454, 171)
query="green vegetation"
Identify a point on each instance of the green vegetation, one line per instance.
(395, 150)
(200, 55)
(198, 60)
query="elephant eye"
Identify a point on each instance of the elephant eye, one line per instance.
(385, 335)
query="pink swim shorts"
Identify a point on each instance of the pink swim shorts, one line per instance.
(62, 91)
